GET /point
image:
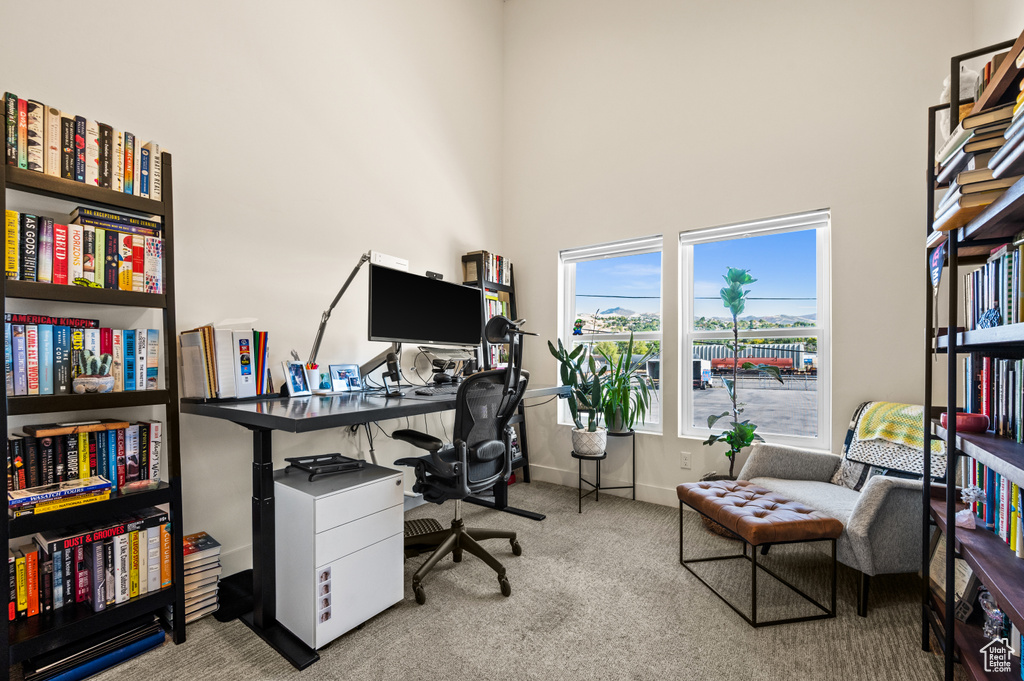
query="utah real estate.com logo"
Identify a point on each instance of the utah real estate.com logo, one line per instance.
(996, 655)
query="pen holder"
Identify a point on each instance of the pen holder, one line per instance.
(312, 378)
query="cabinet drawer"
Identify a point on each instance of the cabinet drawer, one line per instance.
(353, 589)
(340, 541)
(338, 509)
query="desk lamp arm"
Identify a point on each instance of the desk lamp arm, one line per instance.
(327, 313)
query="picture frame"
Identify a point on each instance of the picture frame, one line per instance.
(345, 378)
(295, 378)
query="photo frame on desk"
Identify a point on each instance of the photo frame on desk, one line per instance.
(345, 378)
(295, 378)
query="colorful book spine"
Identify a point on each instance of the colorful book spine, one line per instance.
(61, 360)
(104, 218)
(46, 357)
(155, 170)
(20, 359)
(133, 564)
(76, 253)
(80, 143)
(92, 153)
(35, 153)
(12, 245)
(44, 270)
(22, 134)
(88, 253)
(144, 173)
(8, 359)
(124, 271)
(11, 128)
(106, 155)
(28, 246)
(84, 463)
(152, 358)
(154, 265)
(141, 357)
(67, 147)
(122, 568)
(32, 358)
(117, 363)
(117, 183)
(112, 259)
(129, 163)
(108, 565)
(155, 443)
(51, 141)
(138, 263)
(112, 458)
(129, 359)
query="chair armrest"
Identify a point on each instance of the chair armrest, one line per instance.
(788, 463)
(418, 439)
(885, 526)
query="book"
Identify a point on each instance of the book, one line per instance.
(152, 358)
(89, 253)
(138, 263)
(129, 163)
(131, 452)
(27, 246)
(51, 141)
(19, 359)
(106, 155)
(993, 115)
(124, 271)
(8, 359)
(122, 568)
(130, 353)
(133, 564)
(31, 553)
(22, 134)
(22, 586)
(965, 209)
(117, 183)
(45, 359)
(76, 253)
(153, 269)
(80, 142)
(74, 427)
(110, 217)
(60, 504)
(32, 358)
(198, 546)
(44, 270)
(11, 128)
(59, 490)
(92, 153)
(61, 359)
(166, 537)
(12, 245)
(67, 146)
(34, 151)
(96, 567)
(193, 365)
(143, 166)
(60, 254)
(141, 358)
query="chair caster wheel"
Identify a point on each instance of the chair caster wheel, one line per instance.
(517, 548)
(506, 588)
(457, 555)
(421, 597)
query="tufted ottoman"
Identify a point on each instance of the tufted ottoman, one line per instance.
(759, 517)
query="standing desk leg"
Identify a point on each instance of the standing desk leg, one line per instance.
(263, 618)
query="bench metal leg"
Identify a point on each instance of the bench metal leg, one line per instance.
(827, 613)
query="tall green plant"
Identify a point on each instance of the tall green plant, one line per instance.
(741, 433)
(626, 393)
(580, 372)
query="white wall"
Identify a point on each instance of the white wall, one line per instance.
(996, 21)
(654, 116)
(303, 134)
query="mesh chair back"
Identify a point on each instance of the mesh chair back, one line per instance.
(482, 413)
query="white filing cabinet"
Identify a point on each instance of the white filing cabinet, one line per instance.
(339, 550)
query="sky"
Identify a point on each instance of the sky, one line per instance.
(636, 276)
(783, 264)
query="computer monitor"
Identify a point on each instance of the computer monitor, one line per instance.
(409, 308)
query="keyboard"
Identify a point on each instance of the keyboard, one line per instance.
(442, 389)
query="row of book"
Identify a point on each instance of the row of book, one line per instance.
(202, 577)
(224, 363)
(43, 457)
(995, 387)
(46, 140)
(43, 354)
(497, 303)
(1000, 511)
(120, 253)
(992, 292)
(496, 268)
(101, 566)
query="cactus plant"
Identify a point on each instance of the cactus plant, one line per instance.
(92, 364)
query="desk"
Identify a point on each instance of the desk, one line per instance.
(302, 415)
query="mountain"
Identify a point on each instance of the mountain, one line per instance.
(618, 312)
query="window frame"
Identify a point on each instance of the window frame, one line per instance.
(820, 221)
(567, 260)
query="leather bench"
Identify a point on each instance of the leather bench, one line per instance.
(758, 517)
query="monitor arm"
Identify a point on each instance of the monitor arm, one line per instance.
(327, 313)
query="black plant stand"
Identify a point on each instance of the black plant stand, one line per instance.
(596, 485)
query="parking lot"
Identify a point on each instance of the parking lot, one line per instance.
(790, 408)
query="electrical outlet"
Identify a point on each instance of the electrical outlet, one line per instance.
(684, 460)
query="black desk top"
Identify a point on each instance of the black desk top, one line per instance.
(305, 414)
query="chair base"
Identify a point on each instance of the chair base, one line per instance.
(455, 540)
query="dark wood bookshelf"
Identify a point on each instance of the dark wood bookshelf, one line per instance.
(22, 639)
(998, 568)
(48, 404)
(31, 290)
(90, 513)
(69, 190)
(1006, 337)
(986, 448)
(29, 637)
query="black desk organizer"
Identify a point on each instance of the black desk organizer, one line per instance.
(320, 465)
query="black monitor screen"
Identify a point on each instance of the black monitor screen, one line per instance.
(409, 308)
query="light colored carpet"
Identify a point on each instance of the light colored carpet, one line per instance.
(594, 596)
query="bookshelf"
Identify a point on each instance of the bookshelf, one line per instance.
(475, 269)
(989, 557)
(22, 639)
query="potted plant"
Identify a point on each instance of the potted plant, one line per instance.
(740, 434)
(580, 372)
(627, 396)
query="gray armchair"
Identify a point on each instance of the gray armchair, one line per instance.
(881, 521)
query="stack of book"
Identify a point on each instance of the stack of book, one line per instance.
(117, 451)
(202, 576)
(57, 496)
(42, 354)
(964, 162)
(1008, 161)
(224, 363)
(496, 268)
(101, 566)
(46, 140)
(95, 248)
(999, 512)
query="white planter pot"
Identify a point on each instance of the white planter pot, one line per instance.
(586, 443)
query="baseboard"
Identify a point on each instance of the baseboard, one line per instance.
(649, 493)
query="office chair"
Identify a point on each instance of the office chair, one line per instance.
(479, 457)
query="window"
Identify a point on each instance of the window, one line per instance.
(785, 323)
(608, 291)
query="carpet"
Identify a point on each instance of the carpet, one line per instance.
(594, 596)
